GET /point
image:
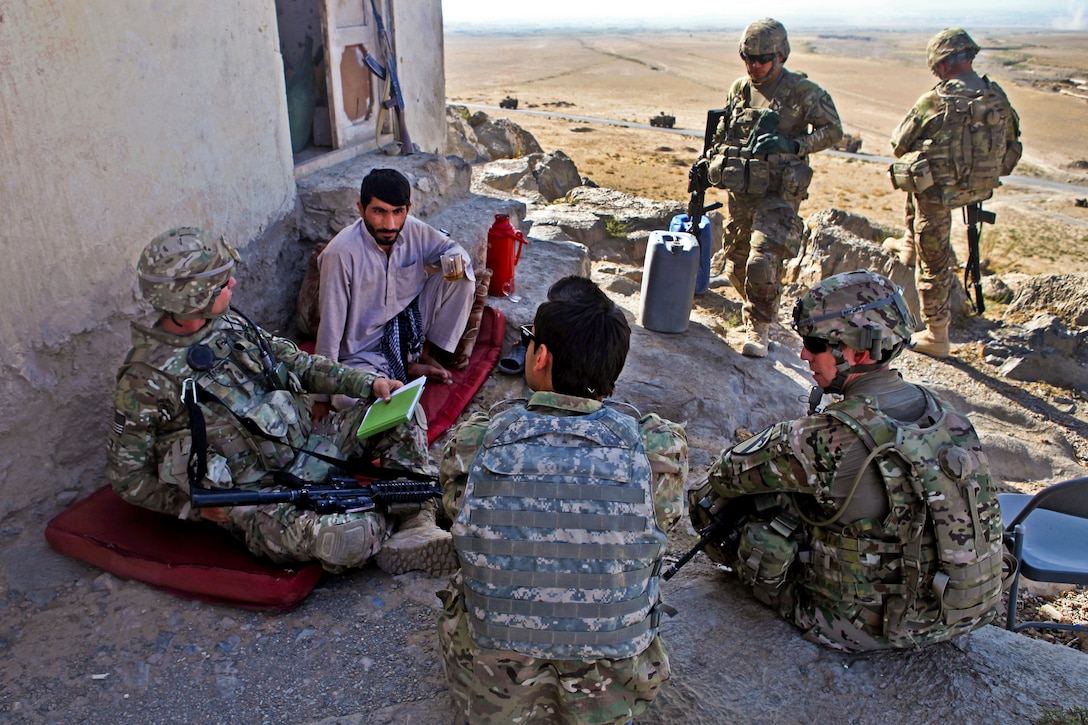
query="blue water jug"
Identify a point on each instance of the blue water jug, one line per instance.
(679, 223)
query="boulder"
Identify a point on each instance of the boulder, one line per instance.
(1043, 349)
(1063, 295)
(461, 137)
(502, 138)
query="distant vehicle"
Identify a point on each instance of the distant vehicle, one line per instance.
(508, 102)
(849, 143)
(663, 120)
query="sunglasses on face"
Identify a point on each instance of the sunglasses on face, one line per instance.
(527, 335)
(757, 59)
(815, 345)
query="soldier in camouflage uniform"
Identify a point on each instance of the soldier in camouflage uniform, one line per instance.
(774, 119)
(251, 391)
(560, 507)
(873, 523)
(966, 133)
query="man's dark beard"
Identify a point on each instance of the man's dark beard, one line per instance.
(375, 232)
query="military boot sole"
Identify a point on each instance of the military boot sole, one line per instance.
(428, 551)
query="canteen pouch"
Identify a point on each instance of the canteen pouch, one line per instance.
(911, 173)
(727, 170)
(764, 557)
(759, 176)
(795, 179)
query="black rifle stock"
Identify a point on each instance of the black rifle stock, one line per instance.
(338, 495)
(722, 529)
(697, 181)
(974, 217)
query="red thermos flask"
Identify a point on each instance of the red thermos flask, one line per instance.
(504, 245)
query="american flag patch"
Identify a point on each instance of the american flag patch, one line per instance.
(118, 422)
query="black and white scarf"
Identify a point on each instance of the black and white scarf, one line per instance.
(402, 340)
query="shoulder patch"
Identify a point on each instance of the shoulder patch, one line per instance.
(756, 443)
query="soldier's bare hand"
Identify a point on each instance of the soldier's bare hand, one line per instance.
(382, 388)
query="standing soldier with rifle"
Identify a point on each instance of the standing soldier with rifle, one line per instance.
(952, 147)
(772, 120)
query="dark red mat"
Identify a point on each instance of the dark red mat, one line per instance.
(191, 559)
(443, 404)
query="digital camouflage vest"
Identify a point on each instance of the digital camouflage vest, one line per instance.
(559, 546)
(971, 151)
(940, 545)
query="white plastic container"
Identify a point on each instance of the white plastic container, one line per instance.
(668, 281)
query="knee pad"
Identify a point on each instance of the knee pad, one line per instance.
(348, 544)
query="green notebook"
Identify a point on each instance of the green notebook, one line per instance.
(382, 416)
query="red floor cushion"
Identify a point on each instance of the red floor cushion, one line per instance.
(191, 559)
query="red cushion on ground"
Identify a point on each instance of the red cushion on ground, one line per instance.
(444, 403)
(191, 559)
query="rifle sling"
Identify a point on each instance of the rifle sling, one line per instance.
(198, 453)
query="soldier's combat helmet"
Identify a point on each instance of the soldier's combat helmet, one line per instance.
(947, 43)
(182, 271)
(861, 309)
(765, 36)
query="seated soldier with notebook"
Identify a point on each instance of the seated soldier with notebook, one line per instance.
(207, 398)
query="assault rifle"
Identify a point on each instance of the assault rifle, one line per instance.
(722, 530)
(388, 73)
(697, 179)
(974, 217)
(339, 494)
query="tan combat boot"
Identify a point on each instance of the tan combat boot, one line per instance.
(419, 544)
(932, 341)
(757, 339)
(902, 248)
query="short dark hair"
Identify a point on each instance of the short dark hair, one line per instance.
(588, 337)
(388, 185)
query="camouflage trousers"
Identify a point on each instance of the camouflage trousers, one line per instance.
(498, 686)
(929, 223)
(762, 232)
(284, 533)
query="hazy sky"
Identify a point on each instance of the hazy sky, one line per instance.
(892, 14)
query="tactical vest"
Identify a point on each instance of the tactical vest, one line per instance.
(733, 166)
(235, 398)
(559, 546)
(934, 564)
(969, 154)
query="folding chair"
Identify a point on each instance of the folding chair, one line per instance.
(1047, 534)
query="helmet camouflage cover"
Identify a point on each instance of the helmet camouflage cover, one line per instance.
(862, 309)
(182, 270)
(765, 36)
(946, 43)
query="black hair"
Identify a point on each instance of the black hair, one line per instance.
(388, 185)
(573, 287)
(587, 335)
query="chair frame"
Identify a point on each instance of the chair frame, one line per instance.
(1061, 498)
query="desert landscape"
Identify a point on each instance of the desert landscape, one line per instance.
(874, 78)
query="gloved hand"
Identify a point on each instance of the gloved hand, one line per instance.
(697, 175)
(773, 143)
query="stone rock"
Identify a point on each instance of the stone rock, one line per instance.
(502, 138)
(1043, 349)
(536, 177)
(1064, 295)
(837, 241)
(461, 137)
(555, 175)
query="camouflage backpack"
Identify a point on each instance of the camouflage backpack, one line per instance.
(971, 152)
(558, 542)
(944, 513)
